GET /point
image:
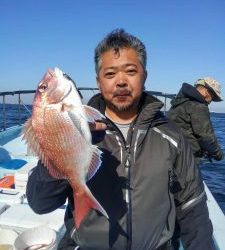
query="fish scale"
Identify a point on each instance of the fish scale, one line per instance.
(68, 139)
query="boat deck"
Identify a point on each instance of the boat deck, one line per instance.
(15, 212)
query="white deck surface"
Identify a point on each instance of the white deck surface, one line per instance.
(218, 220)
(20, 217)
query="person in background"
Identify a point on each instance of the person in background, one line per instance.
(148, 175)
(189, 110)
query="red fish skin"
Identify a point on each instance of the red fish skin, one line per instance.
(61, 146)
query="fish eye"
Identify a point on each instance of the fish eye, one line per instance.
(43, 87)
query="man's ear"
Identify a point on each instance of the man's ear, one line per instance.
(145, 75)
(98, 83)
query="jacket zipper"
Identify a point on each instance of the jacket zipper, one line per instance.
(127, 145)
(128, 201)
(128, 186)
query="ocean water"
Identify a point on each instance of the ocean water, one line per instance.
(213, 172)
(13, 115)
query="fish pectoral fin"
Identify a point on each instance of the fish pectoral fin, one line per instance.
(95, 162)
(83, 203)
(93, 114)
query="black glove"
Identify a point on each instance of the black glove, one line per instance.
(218, 156)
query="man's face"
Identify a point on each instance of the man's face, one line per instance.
(210, 95)
(121, 79)
(207, 94)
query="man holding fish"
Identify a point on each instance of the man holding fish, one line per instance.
(125, 184)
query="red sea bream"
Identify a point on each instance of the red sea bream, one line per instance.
(58, 133)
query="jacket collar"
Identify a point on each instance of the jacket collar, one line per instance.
(191, 92)
(149, 108)
(186, 93)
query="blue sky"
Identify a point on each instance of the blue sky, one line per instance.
(185, 40)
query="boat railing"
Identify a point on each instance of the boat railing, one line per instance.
(21, 104)
(19, 101)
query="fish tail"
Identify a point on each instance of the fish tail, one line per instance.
(83, 203)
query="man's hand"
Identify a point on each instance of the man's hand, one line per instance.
(219, 155)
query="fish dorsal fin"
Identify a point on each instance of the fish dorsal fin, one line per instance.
(35, 149)
(92, 114)
(95, 162)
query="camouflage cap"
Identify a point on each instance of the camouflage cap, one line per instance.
(213, 86)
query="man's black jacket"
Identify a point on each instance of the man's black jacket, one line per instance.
(143, 184)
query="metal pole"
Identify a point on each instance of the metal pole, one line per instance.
(165, 105)
(4, 114)
(19, 101)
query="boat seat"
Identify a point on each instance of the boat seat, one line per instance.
(13, 164)
(4, 154)
(16, 147)
(13, 156)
